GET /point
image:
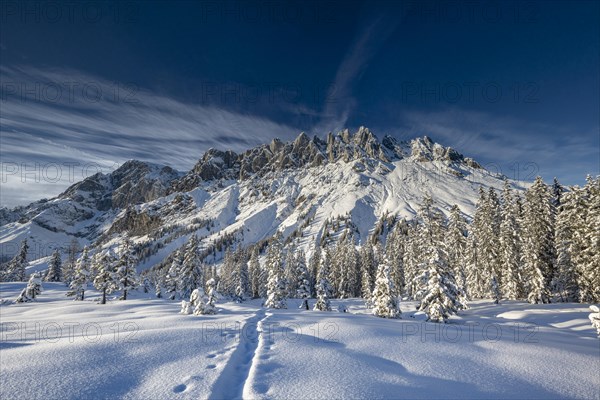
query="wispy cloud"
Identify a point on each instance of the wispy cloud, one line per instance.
(64, 116)
(368, 41)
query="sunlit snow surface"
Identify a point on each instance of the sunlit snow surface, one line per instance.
(142, 348)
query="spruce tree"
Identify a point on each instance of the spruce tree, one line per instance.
(367, 266)
(384, 298)
(456, 245)
(323, 286)
(106, 280)
(557, 191)
(430, 233)
(538, 241)
(510, 246)
(313, 269)
(302, 279)
(243, 284)
(348, 267)
(441, 298)
(172, 276)
(81, 276)
(32, 290)
(263, 280)
(191, 272)
(208, 305)
(54, 273)
(290, 270)
(412, 262)
(69, 266)
(276, 285)
(484, 258)
(366, 292)
(254, 271)
(565, 281)
(229, 274)
(126, 274)
(589, 258)
(15, 270)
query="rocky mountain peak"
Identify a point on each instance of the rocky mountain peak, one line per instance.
(306, 152)
(133, 182)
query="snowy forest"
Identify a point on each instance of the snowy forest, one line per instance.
(540, 247)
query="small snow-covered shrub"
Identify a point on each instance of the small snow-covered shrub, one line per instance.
(186, 307)
(201, 304)
(33, 289)
(206, 305)
(595, 317)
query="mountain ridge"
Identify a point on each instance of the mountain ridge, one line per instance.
(296, 188)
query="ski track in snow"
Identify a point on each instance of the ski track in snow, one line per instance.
(234, 377)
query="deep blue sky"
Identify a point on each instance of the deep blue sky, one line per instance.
(504, 82)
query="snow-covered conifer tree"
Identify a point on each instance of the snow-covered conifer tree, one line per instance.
(538, 241)
(191, 272)
(456, 245)
(32, 290)
(313, 269)
(254, 271)
(384, 298)
(69, 266)
(588, 258)
(126, 274)
(276, 285)
(430, 233)
(290, 269)
(565, 280)
(106, 280)
(207, 305)
(557, 191)
(302, 279)
(442, 297)
(172, 276)
(243, 285)
(54, 273)
(34, 285)
(323, 286)
(157, 282)
(483, 260)
(367, 266)
(412, 262)
(229, 274)
(510, 246)
(81, 276)
(394, 251)
(348, 267)
(15, 270)
(146, 284)
(196, 303)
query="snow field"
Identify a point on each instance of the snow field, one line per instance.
(142, 348)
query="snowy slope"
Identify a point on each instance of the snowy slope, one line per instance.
(142, 348)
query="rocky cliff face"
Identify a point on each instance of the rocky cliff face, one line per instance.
(305, 152)
(134, 182)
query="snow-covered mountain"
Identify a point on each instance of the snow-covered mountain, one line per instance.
(299, 188)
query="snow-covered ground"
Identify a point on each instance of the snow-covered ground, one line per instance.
(142, 348)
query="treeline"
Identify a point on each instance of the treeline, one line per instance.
(539, 247)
